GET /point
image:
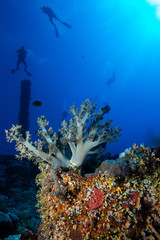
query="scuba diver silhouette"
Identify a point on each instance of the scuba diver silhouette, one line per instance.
(51, 15)
(21, 54)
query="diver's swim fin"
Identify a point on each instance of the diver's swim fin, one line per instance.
(56, 31)
(66, 24)
(29, 74)
(14, 70)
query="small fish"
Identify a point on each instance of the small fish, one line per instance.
(21, 130)
(37, 103)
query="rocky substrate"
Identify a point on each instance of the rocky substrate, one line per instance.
(17, 197)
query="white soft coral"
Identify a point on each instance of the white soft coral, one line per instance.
(82, 133)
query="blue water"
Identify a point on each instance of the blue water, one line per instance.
(107, 37)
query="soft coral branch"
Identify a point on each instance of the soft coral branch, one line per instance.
(85, 132)
(36, 151)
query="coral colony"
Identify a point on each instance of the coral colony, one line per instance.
(121, 200)
(83, 133)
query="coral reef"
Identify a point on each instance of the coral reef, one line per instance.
(103, 207)
(120, 200)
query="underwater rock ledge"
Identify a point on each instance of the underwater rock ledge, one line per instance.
(17, 196)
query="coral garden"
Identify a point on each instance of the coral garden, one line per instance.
(100, 206)
(120, 200)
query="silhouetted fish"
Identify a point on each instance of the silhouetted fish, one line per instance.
(37, 103)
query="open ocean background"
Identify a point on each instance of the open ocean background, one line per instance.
(120, 38)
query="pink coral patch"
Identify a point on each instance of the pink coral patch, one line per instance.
(96, 199)
(135, 197)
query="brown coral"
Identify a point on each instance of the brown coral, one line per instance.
(97, 207)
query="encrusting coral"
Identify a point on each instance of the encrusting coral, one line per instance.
(103, 207)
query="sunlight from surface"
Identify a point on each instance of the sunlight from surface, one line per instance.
(155, 3)
(144, 15)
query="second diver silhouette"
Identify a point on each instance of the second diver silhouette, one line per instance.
(51, 15)
(21, 54)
